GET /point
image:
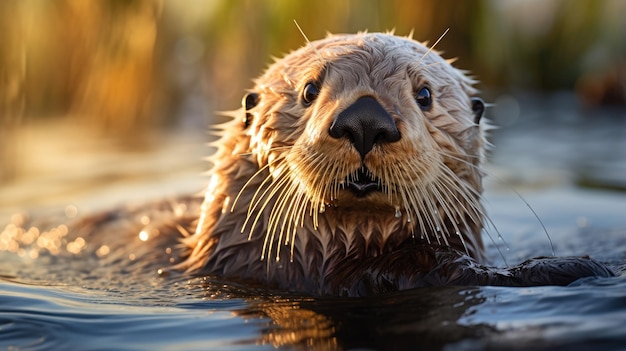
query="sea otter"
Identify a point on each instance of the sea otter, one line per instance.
(354, 168)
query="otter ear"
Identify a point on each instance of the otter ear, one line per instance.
(249, 101)
(478, 107)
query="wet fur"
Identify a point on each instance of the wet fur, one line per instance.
(275, 210)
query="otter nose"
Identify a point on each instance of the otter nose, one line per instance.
(365, 123)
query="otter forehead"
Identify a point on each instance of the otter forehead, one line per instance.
(373, 48)
(377, 55)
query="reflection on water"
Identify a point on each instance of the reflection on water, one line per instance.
(395, 321)
(63, 290)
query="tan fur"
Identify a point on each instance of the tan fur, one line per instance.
(275, 210)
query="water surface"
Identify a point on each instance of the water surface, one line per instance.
(568, 165)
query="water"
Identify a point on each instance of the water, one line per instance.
(569, 168)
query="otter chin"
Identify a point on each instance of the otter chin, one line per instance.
(353, 168)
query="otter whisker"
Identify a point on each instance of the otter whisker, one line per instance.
(246, 184)
(292, 198)
(461, 158)
(441, 210)
(267, 194)
(472, 209)
(256, 200)
(271, 177)
(309, 42)
(273, 148)
(300, 213)
(431, 48)
(295, 207)
(431, 64)
(383, 184)
(514, 191)
(452, 181)
(277, 211)
(305, 202)
(329, 188)
(410, 199)
(269, 233)
(538, 219)
(461, 213)
(309, 164)
(275, 217)
(320, 185)
(477, 209)
(423, 202)
(477, 215)
(442, 205)
(433, 213)
(422, 212)
(282, 213)
(321, 168)
(473, 214)
(287, 201)
(446, 197)
(472, 166)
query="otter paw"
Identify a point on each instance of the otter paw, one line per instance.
(557, 270)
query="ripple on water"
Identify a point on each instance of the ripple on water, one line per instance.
(44, 317)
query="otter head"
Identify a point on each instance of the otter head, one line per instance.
(366, 132)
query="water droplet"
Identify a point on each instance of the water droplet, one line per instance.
(438, 228)
(322, 208)
(408, 220)
(398, 212)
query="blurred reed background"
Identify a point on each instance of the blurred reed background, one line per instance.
(125, 69)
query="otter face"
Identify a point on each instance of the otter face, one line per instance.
(369, 124)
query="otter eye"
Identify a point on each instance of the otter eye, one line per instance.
(309, 93)
(423, 98)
